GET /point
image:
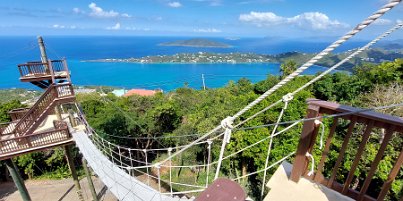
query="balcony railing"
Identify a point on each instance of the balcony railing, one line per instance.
(37, 140)
(45, 102)
(17, 114)
(7, 128)
(363, 129)
(38, 69)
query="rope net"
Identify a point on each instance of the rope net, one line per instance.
(129, 171)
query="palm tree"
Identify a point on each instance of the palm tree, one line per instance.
(287, 68)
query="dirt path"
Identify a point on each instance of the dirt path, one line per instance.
(54, 190)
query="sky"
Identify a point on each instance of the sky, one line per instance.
(206, 18)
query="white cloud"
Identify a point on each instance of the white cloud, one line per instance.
(260, 19)
(175, 4)
(116, 27)
(209, 30)
(77, 11)
(137, 29)
(58, 26)
(125, 15)
(312, 20)
(211, 2)
(98, 12)
(399, 21)
(382, 21)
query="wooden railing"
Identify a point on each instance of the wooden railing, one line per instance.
(17, 114)
(34, 140)
(45, 102)
(32, 69)
(385, 125)
(7, 128)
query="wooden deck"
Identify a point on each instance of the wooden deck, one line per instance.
(11, 145)
(38, 71)
(281, 188)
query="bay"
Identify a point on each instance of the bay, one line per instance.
(21, 49)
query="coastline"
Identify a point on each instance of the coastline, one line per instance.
(180, 63)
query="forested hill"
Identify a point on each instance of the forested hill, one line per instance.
(376, 55)
(189, 111)
(196, 42)
(373, 55)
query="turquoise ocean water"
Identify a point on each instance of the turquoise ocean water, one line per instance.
(17, 50)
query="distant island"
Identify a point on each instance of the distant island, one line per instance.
(196, 42)
(375, 55)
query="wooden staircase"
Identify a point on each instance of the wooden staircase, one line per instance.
(20, 136)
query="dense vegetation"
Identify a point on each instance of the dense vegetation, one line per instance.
(189, 111)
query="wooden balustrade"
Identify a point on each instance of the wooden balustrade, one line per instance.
(32, 69)
(58, 66)
(36, 140)
(7, 128)
(371, 122)
(17, 114)
(43, 105)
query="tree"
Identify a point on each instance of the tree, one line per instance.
(287, 68)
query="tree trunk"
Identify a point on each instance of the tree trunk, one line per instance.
(244, 170)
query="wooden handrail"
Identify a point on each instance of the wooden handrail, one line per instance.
(39, 68)
(38, 140)
(371, 121)
(34, 134)
(18, 113)
(383, 120)
(6, 129)
(55, 91)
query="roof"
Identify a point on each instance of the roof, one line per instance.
(140, 92)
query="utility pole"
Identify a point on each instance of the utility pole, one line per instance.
(44, 57)
(70, 162)
(90, 183)
(204, 84)
(19, 182)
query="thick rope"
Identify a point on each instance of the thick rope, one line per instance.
(259, 171)
(319, 56)
(209, 142)
(326, 51)
(318, 122)
(396, 27)
(287, 98)
(312, 163)
(227, 125)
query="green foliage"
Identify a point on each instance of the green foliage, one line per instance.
(343, 87)
(187, 111)
(287, 68)
(30, 163)
(6, 107)
(8, 95)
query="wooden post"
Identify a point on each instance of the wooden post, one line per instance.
(58, 112)
(204, 84)
(19, 182)
(306, 142)
(44, 57)
(72, 167)
(71, 118)
(90, 183)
